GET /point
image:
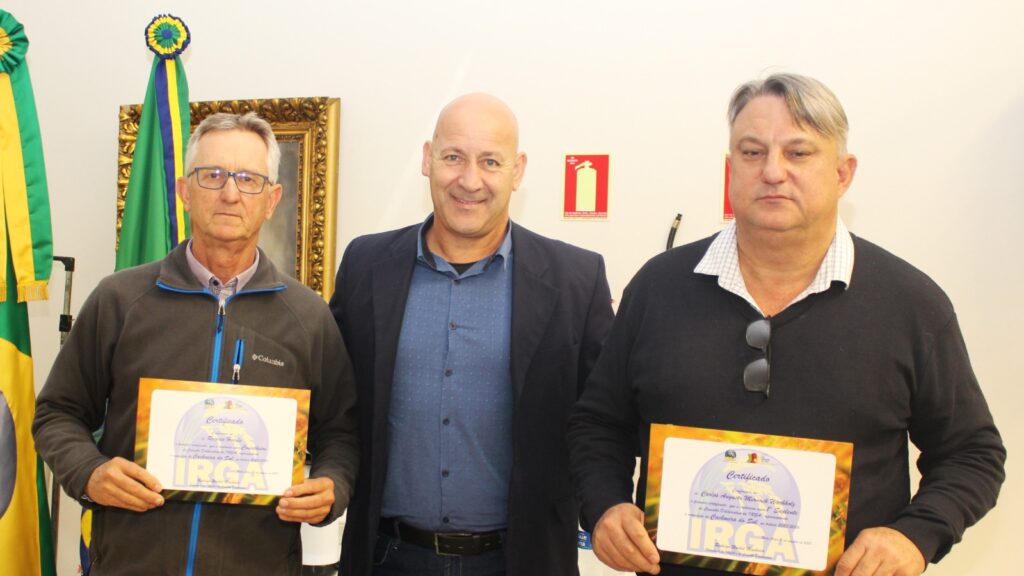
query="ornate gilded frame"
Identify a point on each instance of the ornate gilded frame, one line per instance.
(310, 123)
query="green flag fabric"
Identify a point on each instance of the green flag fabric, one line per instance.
(26, 258)
(25, 232)
(154, 221)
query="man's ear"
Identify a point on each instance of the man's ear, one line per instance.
(276, 191)
(425, 167)
(846, 171)
(519, 170)
(181, 189)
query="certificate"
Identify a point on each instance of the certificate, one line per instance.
(749, 503)
(225, 443)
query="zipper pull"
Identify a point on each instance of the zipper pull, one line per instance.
(236, 371)
(220, 316)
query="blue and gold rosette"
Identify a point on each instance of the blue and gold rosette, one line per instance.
(154, 220)
(167, 36)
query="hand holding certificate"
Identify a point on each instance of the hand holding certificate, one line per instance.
(621, 541)
(224, 443)
(124, 484)
(882, 551)
(309, 502)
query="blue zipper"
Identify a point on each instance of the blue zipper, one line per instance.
(218, 339)
(193, 539)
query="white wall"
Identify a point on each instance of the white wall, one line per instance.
(934, 91)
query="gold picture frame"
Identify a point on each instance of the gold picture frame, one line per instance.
(307, 131)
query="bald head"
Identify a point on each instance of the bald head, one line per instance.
(474, 164)
(479, 109)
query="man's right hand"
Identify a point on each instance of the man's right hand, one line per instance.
(621, 541)
(123, 484)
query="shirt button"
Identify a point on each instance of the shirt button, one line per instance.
(444, 473)
(446, 421)
(456, 281)
(448, 372)
(451, 326)
(445, 520)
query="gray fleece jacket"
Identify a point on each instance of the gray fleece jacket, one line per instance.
(157, 321)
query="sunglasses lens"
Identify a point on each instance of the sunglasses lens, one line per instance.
(755, 376)
(759, 332)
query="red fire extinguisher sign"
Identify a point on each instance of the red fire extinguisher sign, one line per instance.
(586, 187)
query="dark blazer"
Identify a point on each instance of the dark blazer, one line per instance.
(561, 313)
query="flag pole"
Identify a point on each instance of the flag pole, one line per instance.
(64, 327)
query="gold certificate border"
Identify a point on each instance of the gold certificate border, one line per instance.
(843, 452)
(142, 418)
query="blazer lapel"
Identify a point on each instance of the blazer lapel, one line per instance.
(533, 300)
(391, 279)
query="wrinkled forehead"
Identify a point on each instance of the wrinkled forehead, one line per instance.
(232, 149)
(768, 118)
(774, 113)
(479, 123)
(475, 143)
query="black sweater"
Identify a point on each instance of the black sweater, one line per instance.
(868, 364)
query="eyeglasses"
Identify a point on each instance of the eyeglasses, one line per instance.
(756, 374)
(216, 178)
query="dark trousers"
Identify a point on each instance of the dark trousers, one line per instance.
(393, 557)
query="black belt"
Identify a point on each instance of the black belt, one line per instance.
(443, 543)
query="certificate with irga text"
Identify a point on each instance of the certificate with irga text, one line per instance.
(748, 503)
(225, 443)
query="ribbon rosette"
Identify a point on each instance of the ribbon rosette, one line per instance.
(13, 43)
(167, 36)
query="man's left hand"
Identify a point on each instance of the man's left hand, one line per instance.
(881, 552)
(308, 502)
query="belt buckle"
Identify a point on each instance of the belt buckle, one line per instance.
(437, 546)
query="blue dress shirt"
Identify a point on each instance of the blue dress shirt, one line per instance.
(450, 420)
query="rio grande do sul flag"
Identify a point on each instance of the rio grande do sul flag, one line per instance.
(26, 257)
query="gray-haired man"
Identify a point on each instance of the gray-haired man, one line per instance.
(188, 317)
(786, 324)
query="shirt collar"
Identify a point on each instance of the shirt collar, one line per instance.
(208, 280)
(438, 263)
(722, 260)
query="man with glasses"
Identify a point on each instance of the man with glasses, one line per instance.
(786, 324)
(214, 310)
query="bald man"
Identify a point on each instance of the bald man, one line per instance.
(471, 338)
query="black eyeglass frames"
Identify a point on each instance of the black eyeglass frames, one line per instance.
(213, 178)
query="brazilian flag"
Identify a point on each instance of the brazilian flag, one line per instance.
(26, 547)
(154, 220)
(26, 256)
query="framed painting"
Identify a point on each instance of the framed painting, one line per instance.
(300, 237)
